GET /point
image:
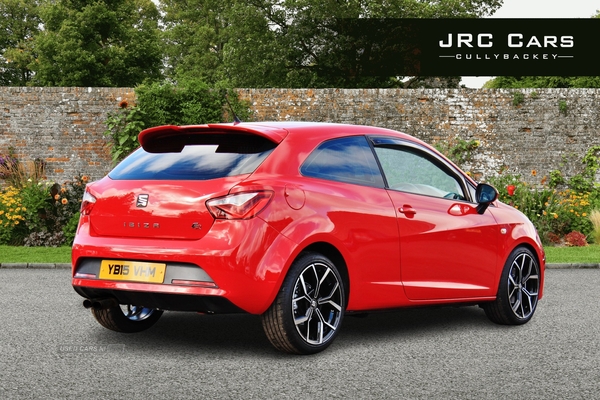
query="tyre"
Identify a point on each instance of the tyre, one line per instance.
(127, 318)
(307, 313)
(518, 290)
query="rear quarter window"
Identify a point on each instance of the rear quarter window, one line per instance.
(348, 159)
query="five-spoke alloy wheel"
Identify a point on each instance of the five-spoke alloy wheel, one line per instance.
(308, 311)
(518, 290)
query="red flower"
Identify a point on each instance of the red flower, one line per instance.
(511, 189)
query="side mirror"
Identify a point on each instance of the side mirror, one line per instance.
(485, 195)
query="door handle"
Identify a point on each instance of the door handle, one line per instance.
(407, 210)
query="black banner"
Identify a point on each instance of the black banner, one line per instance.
(471, 47)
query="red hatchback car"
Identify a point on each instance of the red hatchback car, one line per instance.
(300, 223)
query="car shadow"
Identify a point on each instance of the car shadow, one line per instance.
(242, 334)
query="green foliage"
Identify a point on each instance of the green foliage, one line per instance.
(595, 220)
(288, 44)
(555, 213)
(459, 151)
(556, 179)
(40, 213)
(585, 180)
(562, 107)
(100, 43)
(36, 198)
(188, 103)
(522, 82)
(123, 127)
(70, 228)
(191, 102)
(19, 23)
(518, 98)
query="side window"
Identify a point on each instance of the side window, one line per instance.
(348, 159)
(410, 170)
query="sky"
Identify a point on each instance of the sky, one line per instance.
(538, 9)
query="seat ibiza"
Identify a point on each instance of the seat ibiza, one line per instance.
(300, 223)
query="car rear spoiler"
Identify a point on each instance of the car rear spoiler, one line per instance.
(172, 138)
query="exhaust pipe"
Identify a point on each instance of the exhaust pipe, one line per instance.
(100, 304)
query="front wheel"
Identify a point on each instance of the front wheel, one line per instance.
(127, 318)
(307, 313)
(518, 291)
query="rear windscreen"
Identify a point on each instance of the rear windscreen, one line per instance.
(196, 157)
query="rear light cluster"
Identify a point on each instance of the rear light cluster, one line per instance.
(87, 203)
(240, 205)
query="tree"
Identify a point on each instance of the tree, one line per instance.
(100, 43)
(290, 43)
(19, 22)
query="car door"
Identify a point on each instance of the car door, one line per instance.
(448, 250)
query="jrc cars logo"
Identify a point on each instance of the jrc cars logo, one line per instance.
(508, 47)
(142, 200)
(538, 47)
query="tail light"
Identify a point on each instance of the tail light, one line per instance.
(87, 203)
(240, 205)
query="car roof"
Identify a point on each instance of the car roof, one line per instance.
(274, 131)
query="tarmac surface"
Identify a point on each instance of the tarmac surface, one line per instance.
(51, 347)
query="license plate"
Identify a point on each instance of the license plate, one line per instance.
(119, 270)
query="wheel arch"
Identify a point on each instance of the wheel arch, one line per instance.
(539, 259)
(330, 251)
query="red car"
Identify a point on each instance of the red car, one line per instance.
(300, 223)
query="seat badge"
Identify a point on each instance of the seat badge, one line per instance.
(142, 200)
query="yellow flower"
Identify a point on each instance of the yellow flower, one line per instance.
(534, 172)
(64, 201)
(56, 197)
(584, 215)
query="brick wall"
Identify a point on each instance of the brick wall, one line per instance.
(64, 125)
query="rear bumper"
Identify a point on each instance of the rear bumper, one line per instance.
(210, 302)
(241, 262)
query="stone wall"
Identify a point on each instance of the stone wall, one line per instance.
(535, 135)
(64, 126)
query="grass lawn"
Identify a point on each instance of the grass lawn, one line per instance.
(16, 254)
(21, 254)
(584, 255)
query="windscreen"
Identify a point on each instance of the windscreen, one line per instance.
(199, 157)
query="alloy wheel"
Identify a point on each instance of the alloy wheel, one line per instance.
(523, 285)
(317, 303)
